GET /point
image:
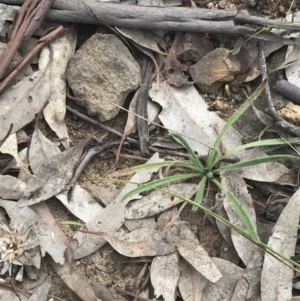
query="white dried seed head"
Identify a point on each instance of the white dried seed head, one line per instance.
(14, 244)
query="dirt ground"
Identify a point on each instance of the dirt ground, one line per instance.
(106, 265)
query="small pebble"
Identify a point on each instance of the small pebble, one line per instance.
(210, 5)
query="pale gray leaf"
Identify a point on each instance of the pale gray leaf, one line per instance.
(20, 103)
(157, 201)
(41, 293)
(223, 289)
(191, 283)
(164, 275)
(277, 278)
(63, 49)
(82, 204)
(192, 251)
(11, 188)
(140, 242)
(52, 177)
(41, 150)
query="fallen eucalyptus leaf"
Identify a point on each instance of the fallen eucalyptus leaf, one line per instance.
(41, 150)
(164, 275)
(21, 102)
(192, 251)
(157, 201)
(11, 188)
(52, 177)
(140, 242)
(277, 278)
(223, 289)
(63, 49)
(191, 283)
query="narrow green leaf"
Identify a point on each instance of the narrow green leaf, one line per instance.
(73, 223)
(241, 213)
(239, 112)
(255, 161)
(194, 159)
(160, 182)
(267, 142)
(212, 158)
(135, 169)
(200, 192)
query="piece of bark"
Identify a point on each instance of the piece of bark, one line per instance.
(288, 90)
(167, 18)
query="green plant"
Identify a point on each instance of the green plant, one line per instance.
(209, 170)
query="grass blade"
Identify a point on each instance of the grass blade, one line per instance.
(267, 142)
(131, 170)
(239, 112)
(160, 182)
(242, 213)
(256, 161)
(200, 192)
(212, 158)
(194, 159)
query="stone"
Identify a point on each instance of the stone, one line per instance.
(102, 73)
(214, 69)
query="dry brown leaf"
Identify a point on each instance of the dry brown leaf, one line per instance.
(174, 72)
(164, 275)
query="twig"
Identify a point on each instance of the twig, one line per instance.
(29, 18)
(40, 44)
(288, 90)
(118, 289)
(290, 128)
(165, 18)
(142, 101)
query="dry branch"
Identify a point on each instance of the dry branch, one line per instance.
(166, 18)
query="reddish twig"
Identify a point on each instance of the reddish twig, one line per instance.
(28, 20)
(41, 43)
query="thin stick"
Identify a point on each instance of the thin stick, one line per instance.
(290, 128)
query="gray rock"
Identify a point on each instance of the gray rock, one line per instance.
(103, 70)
